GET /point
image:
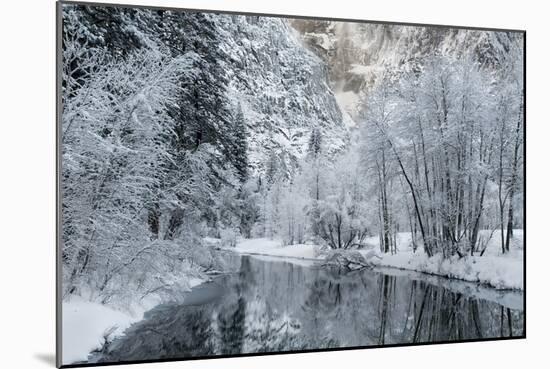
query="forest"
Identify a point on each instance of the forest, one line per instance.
(183, 133)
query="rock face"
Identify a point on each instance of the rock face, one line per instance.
(358, 53)
(282, 87)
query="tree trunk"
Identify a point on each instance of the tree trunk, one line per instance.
(510, 225)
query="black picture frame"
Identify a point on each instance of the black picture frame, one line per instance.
(59, 194)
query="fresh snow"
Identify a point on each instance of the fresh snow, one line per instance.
(492, 269)
(267, 247)
(87, 325)
(496, 271)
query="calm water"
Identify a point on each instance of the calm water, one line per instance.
(269, 305)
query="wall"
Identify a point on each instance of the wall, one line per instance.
(27, 205)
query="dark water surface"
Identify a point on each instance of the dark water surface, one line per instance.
(269, 306)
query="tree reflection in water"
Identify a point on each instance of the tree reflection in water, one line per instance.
(271, 306)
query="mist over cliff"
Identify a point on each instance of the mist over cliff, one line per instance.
(359, 53)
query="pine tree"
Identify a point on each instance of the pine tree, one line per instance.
(240, 148)
(315, 142)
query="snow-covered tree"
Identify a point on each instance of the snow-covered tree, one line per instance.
(240, 149)
(342, 220)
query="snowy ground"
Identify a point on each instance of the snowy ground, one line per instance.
(501, 272)
(87, 325)
(492, 269)
(267, 247)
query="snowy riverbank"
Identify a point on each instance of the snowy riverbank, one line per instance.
(492, 269)
(267, 247)
(500, 272)
(88, 325)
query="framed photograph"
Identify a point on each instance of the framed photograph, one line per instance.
(236, 184)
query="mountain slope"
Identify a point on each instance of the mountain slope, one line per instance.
(358, 53)
(282, 87)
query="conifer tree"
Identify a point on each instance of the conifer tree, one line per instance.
(240, 146)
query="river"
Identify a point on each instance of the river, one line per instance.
(272, 305)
